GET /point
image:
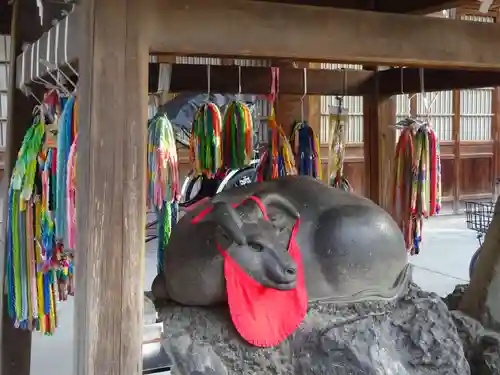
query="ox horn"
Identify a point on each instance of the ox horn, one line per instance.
(227, 217)
(279, 201)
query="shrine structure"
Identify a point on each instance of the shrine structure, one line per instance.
(109, 42)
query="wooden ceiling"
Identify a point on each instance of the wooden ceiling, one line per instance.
(5, 13)
(52, 9)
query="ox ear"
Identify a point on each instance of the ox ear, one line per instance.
(228, 219)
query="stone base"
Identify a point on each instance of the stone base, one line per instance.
(415, 335)
(481, 346)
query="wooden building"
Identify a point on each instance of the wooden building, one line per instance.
(111, 41)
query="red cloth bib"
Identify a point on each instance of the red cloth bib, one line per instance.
(263, 316)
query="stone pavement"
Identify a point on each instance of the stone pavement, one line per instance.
(443, 263)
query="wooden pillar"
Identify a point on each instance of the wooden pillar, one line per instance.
(379, 115)
(456, 150)
(495, 136)
(112, 190)
(25, 28)
(495, 132)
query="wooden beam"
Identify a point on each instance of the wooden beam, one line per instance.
(112, 193)
(393, 82)
(257, 80)
(271, 30)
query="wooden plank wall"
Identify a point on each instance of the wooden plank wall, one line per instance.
(470, 159)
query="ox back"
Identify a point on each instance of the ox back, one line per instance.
(352, 249)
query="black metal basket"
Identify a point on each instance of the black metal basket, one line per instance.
(478, 215)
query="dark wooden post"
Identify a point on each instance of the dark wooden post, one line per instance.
(111, 181)
(379, 144)
(495, 133)
(456, 150)
(25, 28)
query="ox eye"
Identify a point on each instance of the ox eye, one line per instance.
(256, 247)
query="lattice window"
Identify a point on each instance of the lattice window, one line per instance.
(354, 105)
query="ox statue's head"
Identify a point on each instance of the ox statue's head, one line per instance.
(256, 235)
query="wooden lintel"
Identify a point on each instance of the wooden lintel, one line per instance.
(395, 81)
(257, 80)
(256, 29)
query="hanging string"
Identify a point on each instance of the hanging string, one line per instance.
(237, 136)
(277, 160)
(417, 182)
(336, 148)
(206, 140)
(306, 149)
(163, 182)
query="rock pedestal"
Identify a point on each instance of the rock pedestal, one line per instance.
(414, 335)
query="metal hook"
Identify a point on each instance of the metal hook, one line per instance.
(36, 99)
(402, 80)
(343, 89)
(29, 92)
(38, 77)
(51, 66)
(410, 97)
(23, 61)
(55, 67)
(208, 79)
(422, 91)
(344, 83)
(60, 72)
(239, 79)
(32, 77)
(66, 48)
(303, 96)
(48, 68)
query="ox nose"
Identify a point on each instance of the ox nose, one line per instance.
(282, 272)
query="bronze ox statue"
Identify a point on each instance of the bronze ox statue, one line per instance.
(351, 248)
